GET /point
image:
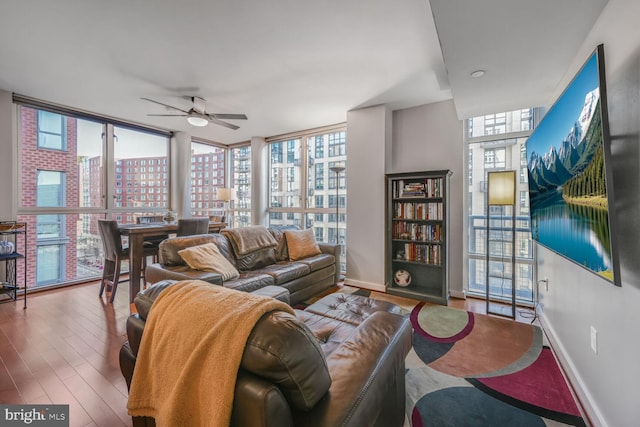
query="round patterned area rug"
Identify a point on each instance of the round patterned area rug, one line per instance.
(476, 370)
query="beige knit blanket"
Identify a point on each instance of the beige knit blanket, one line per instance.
(190, 353)
(249, 239)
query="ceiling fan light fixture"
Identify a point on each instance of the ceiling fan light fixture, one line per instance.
(197, 121)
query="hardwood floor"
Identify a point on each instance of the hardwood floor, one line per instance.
(63, 349)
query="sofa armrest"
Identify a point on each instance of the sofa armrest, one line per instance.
(157, 272)
(368, 376)
(332, 249)
(258, 402)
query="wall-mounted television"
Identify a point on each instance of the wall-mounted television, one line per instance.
(570, 176)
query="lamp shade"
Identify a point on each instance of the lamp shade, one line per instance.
(225, 194)
(502, 188)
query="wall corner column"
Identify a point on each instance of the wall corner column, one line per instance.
(368, 153)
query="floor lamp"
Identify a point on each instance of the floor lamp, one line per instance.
(501, 191)
(226, 195)
(338, 169)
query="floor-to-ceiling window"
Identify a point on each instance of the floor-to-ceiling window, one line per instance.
(240, 208)
(140, 174)
(66, 184)
(207, 176)
(307, 184)
(497, 142)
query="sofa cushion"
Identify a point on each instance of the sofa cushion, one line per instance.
(284, 351)
(250, 281)
(283, 272)
(318, 262)
(207, 257)
(157, 272)
(168, 249)
(256, 260)
(301, 244)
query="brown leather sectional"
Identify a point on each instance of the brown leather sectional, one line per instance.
(268, 267)
(340, 362)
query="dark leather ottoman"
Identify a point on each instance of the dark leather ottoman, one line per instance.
(350, 308)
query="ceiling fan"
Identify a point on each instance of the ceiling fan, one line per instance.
(197, 116)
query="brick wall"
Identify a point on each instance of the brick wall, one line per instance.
(35, 159)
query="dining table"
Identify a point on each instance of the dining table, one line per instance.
(136, 233)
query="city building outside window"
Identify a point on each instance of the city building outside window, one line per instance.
(66, 185)
(307, 185)
(496, 142)
(51, 130)
(241, 183)
(205, 160)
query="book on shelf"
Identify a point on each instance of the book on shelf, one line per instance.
(419, 210)
(430, 187)
(413, 231)
(422, 253)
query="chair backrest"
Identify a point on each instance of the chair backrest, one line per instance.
(111, 240)
(191, 226)
(217, 218)
(149, 219)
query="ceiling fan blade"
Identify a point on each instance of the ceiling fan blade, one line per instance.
(169, 115)
(221, 123)
(228, 116)
(166, 105)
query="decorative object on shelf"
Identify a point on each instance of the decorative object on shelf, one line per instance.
(501, 192)
(6, 247)
(170, 216)
(402, 278)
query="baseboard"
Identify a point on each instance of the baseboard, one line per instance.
(585, 398)
(458, 294)
(365, 285)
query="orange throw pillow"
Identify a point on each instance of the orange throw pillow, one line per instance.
(301, 244)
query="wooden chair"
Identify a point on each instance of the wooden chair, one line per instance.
(154, 241)
(191, 226)
(114, 253)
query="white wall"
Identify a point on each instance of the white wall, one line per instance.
(8, 160)
(606, 382)
(429, 137)
(368, 130)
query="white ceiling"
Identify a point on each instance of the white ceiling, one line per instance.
(287, 65)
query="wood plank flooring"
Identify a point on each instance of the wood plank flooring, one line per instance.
(63, 349)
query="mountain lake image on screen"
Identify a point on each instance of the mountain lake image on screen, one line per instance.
(570, 188)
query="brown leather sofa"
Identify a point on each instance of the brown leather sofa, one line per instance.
(267, 267)
(340, 362)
